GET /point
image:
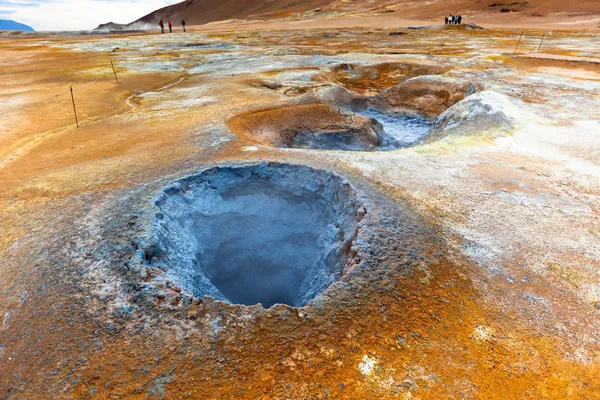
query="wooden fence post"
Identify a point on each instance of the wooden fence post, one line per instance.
(542, 41)
(114, 72)
(74, 109)
(518, 43)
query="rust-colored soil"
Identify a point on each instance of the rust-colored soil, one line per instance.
(475, 275)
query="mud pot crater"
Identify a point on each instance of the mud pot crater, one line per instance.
(320, 126)
(264, 233)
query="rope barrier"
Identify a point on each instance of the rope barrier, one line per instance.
(33, 104)
(53, 97)
(94, 81)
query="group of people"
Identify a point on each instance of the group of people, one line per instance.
(170, 25)
(453, 19)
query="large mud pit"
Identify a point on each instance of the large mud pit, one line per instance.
(265, 233)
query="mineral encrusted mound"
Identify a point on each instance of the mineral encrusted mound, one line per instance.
(428, 95)
(311, 126)
(263, 233)
(484, 113)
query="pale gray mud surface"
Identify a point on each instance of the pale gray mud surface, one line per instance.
(265, 233)
(399, 130)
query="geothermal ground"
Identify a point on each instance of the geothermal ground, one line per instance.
(415, 210)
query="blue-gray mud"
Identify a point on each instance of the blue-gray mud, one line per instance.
(399, 130)
(264, 233)
(330, 141)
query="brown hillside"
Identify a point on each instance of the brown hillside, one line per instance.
(197, 12)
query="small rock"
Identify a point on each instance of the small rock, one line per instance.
(554, 267)
(401, 340)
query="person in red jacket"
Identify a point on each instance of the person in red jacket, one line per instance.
(162, 26)
(170, 26)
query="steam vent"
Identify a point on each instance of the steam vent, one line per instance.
(266, 233)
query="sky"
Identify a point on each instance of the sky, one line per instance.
(53, 15)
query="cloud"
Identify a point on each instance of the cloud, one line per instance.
(16, 4)
(7, 12)
(55, 15)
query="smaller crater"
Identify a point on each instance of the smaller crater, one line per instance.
(370, 79)
(310, 126)
(426, 95)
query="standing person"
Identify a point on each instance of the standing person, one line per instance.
(170, 27)
(445, 20)
(459, 19)
(162, 26)
(183, 24)
(450, 19)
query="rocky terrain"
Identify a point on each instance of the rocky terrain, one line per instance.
(438, 189)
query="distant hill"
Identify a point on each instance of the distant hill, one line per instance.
(196, 12)
(8, 25)
(202, 11)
